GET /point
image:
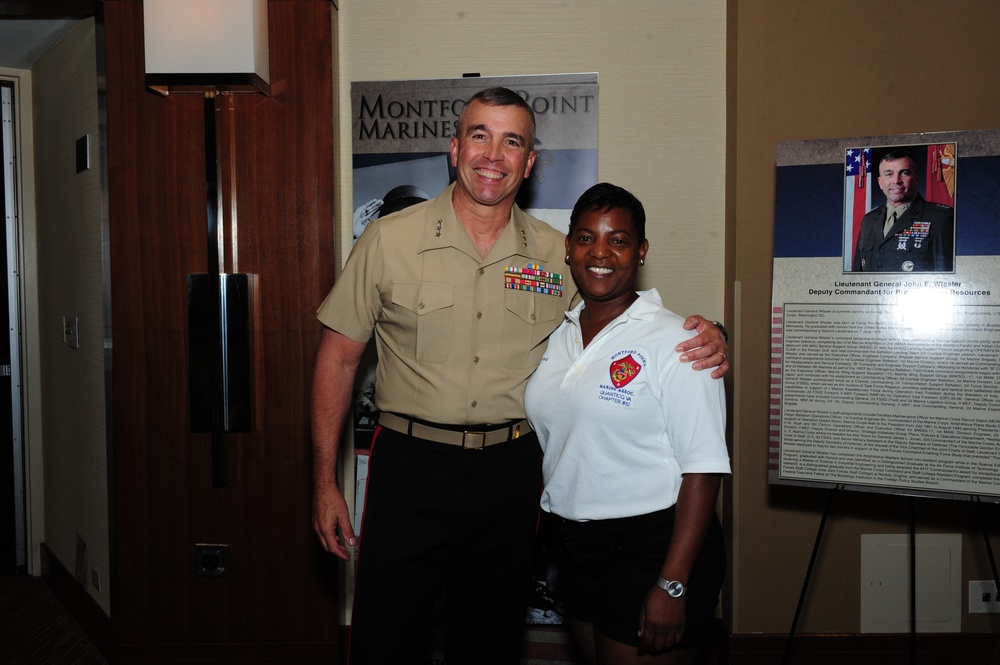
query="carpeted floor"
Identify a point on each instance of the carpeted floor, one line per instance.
(36, 629)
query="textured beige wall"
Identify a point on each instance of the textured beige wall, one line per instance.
(662, 102)
(70, 283)
(807, 70)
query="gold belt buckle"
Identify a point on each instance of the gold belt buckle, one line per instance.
(474, 440)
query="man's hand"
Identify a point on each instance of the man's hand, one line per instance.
(336, 364)
(364, 214)
(366, 211)
(706, 349)
(329, 514)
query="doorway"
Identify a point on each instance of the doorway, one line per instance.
(28, 31)
(12, 525)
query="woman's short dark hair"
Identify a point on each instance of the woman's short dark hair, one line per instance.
(603, 197)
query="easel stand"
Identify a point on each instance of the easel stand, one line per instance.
(913, 568)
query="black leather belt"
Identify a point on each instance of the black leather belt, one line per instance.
(488, 435)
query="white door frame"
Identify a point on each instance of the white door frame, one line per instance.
(24, 339)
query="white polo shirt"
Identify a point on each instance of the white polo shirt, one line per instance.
(621, 420)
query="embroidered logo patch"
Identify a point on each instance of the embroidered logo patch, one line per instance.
(624, 370)
(533, 278)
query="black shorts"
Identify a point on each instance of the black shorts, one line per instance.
(606, 568)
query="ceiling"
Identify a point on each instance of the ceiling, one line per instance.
(23, 41)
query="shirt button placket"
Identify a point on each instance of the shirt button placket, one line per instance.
(477, 337)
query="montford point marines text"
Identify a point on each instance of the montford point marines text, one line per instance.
(391, 119)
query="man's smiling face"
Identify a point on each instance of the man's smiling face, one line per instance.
(898, 180)
(492, 153)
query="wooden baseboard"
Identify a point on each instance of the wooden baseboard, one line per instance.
(867, 649)
(77, 601)
(242, 653)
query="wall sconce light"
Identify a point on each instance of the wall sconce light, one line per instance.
(192, 45)
(214, 47)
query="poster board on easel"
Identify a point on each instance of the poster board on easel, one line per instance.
(883, 376)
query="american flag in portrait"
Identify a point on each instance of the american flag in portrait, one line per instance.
(858, 183)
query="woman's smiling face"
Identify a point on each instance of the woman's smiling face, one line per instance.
(604, 253)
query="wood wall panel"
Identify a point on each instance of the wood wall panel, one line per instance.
(278, 602)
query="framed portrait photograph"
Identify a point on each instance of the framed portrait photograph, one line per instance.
(899, 208)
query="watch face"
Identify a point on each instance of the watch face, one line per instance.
(676, 589)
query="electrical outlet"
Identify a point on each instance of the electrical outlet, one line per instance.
(983, 597)
(95, 579)
(211, 560)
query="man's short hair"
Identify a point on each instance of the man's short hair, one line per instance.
(603, 197)
(898, 153)
(500, 96)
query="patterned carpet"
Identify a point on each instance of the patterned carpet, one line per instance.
(36, 629)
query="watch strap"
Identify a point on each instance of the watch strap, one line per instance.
(722, 329)
(674, 588)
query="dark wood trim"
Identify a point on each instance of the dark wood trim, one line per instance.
(49, 9)
(77, 601)
(248, 653)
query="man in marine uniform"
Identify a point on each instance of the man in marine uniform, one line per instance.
(907, 234)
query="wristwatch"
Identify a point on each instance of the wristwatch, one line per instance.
(674, 589)
(722, 329)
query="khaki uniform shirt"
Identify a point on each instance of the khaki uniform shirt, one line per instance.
(455, 346)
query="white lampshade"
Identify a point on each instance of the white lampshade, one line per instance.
(197, 44)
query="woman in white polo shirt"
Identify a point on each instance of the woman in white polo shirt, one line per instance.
(635, 450)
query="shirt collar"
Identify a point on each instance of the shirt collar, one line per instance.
(645, 308)
(900, 209)
(443, 229)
